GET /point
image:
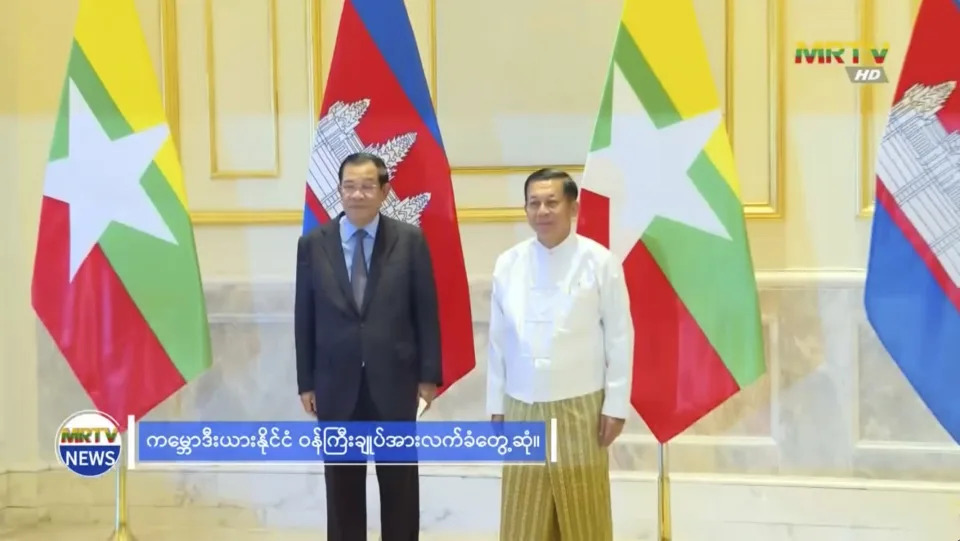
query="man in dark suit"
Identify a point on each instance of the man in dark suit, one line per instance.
(367, 336)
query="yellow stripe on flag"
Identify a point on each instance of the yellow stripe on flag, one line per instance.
(719, 151)
(667, 34)
(110, 35)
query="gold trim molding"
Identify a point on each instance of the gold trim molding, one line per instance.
(478, 170)
(432, 26)
(490, 215)
(775, 206)
(865, 100)
(171, 98)
(503, 170)
(729, 53)
(316, 53)
(169, 69)
(772, 209)
(246, 217)
(777, 82)
(215, 171)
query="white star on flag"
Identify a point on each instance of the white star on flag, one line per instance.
(644, 171)
(100, 180)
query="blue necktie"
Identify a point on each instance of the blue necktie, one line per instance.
(358, 270)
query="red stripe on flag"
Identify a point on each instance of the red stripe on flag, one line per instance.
(94, 322)
(358, 71)
(934, 37)
(933, 33)
(677, 375)
(593, 221)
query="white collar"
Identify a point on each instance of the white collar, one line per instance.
(566, 245)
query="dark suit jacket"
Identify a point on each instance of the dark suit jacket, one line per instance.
(396, 333)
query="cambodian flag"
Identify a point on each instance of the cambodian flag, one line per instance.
(377, 100)
(912, 296)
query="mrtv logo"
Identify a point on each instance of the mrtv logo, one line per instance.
(89, 443)
(862, 61)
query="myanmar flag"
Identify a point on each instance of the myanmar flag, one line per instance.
(660, 190)
(116, 281)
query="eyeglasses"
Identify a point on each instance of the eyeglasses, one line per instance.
(365, 189)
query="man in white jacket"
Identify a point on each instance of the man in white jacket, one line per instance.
(561, 347)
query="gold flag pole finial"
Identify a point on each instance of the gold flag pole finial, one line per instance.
(121, 530)
(663, 496)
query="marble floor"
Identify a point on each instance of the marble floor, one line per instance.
(467, 509)
(688, 532)
(90, 533)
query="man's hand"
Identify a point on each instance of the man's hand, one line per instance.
(610, 428)
(427, 391)
(309, 401)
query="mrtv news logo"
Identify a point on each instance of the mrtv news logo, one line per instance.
(89, 443)
(863, 62)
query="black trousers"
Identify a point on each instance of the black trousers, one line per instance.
(346, 485)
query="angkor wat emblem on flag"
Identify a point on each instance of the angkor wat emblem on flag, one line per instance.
(334, 139)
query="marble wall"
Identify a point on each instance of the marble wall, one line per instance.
(832, 403)
(833, 411)
(4, 496)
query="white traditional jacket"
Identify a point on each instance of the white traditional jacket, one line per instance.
(560, 326)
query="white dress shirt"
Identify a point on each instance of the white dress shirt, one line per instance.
(560, 326)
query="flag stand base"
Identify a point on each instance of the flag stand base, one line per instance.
(664, 532)
(122, 531)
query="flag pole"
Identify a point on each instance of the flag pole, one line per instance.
(121, 527)
(663, 495)
(121, 530)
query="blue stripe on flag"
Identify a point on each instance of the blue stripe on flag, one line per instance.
(309, 220)
(914, 320)
(389, 27)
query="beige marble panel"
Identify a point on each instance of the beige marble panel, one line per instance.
(533, 91)
(241, 45)
(895, 433)
(243, 101)
(751, 102)
(213, 504)
(831, 404)
(815, 380)
(4, 492)
(890, 411)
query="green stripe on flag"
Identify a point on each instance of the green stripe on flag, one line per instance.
(61, 128)
(163, 279)
(634, 66)
(709, 272)
(705, 271)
